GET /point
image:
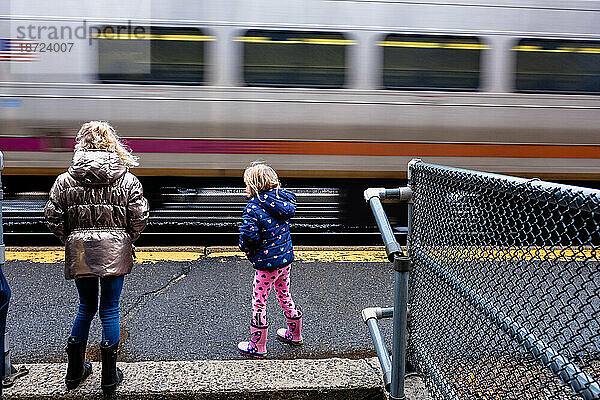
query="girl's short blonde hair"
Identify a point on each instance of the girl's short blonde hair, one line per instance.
(260, 177)
(99, 135)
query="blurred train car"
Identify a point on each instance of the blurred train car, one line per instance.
(320, 88)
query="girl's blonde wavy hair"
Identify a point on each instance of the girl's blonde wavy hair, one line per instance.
(99, 135)
(260, 177)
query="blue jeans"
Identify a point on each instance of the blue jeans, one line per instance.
(4, 299)
(110, 294)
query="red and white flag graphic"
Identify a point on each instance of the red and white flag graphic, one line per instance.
(17, 50)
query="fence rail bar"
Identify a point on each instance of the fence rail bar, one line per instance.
(561, 366)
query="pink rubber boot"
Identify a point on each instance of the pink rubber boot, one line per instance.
(293, 334)
(257, 346)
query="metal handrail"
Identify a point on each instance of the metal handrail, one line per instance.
(393, 368)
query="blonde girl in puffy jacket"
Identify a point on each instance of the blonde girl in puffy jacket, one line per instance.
(97, 209)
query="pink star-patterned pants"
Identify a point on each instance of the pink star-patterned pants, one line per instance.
(263, 282)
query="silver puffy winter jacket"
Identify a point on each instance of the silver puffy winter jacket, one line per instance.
(97, 208)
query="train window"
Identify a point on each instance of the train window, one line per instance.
(152, 55)
(431, 62)
(558, 66)
(294, 58)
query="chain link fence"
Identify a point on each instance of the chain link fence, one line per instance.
(504, 291)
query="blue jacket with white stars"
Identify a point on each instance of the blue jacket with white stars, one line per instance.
(265, 230)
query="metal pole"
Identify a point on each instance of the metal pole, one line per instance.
(4, 289)
(401, 315)
(400, 324)
(391, 245)
(382, 352)
(370, 317)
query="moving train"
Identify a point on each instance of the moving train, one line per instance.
(319, 88)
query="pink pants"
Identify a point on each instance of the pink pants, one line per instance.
(263, 282)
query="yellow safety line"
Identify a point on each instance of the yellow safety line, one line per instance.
(434, 45)
(321, 255)
(196, 38)
(342, 256)
(46, 257)
(560, 254)
(156, 256)
(50, 257)
(225, 254)
(262, 39)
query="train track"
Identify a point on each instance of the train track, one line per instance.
(210, 215)
(319, 208)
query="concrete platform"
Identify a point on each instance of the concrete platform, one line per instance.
(182, 314)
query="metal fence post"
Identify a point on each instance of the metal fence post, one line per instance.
(401, 268)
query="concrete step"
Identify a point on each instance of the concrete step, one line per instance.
(332, 378)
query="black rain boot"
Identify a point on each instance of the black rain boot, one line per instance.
(78, 369)
(111, 375)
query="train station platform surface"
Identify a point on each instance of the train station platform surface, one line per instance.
(183, 311)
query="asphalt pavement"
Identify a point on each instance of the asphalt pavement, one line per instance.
(200, 309)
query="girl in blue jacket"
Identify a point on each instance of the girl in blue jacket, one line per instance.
(265, 238)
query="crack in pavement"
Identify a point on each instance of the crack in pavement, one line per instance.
(128, 315)
(93, 352)
(374, 364)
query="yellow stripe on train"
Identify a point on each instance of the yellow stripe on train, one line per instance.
(434, 45)
(539, 49)
(263, 39)
(193, 38)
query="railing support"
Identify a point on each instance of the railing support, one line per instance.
(370, 317)
(400, 326)
(401, 263)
